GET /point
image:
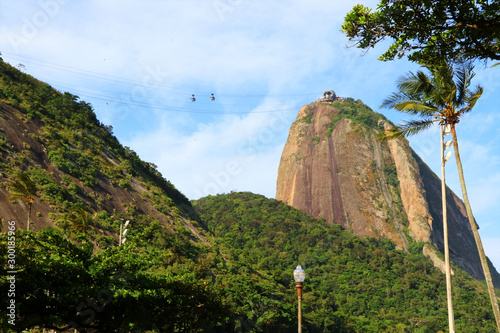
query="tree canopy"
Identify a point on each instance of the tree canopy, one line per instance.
(426, 31)
(137, 287)
(352, 284)
(444, 97)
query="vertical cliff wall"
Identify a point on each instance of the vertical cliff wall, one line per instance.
(333, 167)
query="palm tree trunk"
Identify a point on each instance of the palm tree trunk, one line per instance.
(451, 319)
(479, 244)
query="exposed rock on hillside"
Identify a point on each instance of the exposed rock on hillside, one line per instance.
(77, 163)
(333, 167)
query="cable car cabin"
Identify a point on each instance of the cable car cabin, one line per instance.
(212, 98)
(192, 98)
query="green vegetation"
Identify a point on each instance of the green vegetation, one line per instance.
(428, 31)
(334, 122)
(77, 143)
(357, 111)
(308, 118)
(391, 175)
(309, 114)
(141, 286)
(352, 284)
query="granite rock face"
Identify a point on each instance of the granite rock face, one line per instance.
(333, 167)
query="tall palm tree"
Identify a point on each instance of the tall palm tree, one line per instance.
(23, 188)
(443, 97)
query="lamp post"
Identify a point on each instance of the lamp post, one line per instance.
(299, 275)
(123, 230)
(445, 130)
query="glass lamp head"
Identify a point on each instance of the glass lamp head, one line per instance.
(299, 275)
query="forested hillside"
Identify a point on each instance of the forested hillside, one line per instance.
(76, 164)
(352, 284)
(77, 184)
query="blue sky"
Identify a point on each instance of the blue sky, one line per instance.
(138, 62)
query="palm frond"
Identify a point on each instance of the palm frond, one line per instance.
(471, 99)
(407, 128)
(22, 188)
(405, 104)
(79, 219)
(414, 85)
(445, 88)
(464, 75)
(426, 86)
(389, 134)
(15, 195)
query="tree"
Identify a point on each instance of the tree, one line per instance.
(61, 285)
(23, 188)
(428, 30)
(79, 219)
(444, 97)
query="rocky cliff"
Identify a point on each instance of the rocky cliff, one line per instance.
(333, 167)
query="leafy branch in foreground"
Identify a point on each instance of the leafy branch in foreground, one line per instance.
(427, 31)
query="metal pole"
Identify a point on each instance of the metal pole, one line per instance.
(299, 294)
(451, 320)
(120, 239)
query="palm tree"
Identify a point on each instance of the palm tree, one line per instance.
(444, 97)
(79, 219)
(23, 188)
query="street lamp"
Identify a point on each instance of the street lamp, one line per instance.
(299, 275)
(445, 130)
(123, 230)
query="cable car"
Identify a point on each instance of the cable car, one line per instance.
(192, 98)
(212, 98)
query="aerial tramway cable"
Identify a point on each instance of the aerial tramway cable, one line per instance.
(113, 99)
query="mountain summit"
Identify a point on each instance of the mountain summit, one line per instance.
(333, 167)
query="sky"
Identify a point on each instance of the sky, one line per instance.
(139, 62)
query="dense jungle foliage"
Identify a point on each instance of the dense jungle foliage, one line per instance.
(352, 284)
(155, 281)
(162, 282)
